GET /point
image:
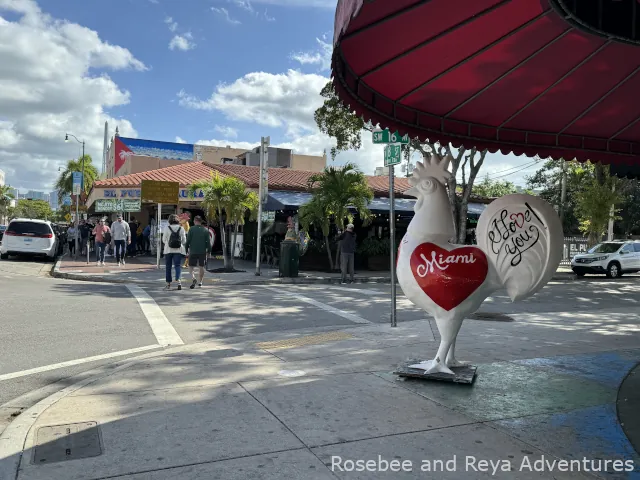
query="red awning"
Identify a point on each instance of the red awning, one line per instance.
(505, 75)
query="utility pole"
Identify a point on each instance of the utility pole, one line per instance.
(262, 193)
(66, 139)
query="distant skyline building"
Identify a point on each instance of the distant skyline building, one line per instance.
(34, 195)
(2, 178)
(53, 200)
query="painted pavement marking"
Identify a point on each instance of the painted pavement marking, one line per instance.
(323, 306)
(71, 363)
(159, 323)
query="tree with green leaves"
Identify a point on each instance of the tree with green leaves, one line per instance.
(493, 188)
(340, 188)
(37, 209)
(6, 197)
(629, 214)
(595, 200)
(64, 183)
(239, 202)
(317, 213)
(339, 122)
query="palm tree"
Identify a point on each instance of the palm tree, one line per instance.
(64, 183)
(6, 196)
(238, 202)
(216, 193)
(317, 213)
(341, 188)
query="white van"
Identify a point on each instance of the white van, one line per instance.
(26, 236)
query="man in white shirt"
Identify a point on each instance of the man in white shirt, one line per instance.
(120, 233)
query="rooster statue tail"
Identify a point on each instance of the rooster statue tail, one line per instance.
(520, 242)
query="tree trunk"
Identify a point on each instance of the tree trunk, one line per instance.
(223, 237)
(233, 247)
(326, 242)
(463, 202)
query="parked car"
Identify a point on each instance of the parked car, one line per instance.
(26, 236)
(2, 229)
(609, 258)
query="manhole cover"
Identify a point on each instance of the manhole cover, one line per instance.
(72, 441)
(491, 317)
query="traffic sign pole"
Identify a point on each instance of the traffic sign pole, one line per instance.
(392, 242)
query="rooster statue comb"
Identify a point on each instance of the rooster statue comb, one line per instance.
(520, 241)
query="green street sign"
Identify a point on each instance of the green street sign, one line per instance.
(392, 154)
(385, 136)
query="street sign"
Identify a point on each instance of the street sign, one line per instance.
(153, 191)
(392, 154)
(113, 205)
(66, 200)
(268, 216)
(77, 180)
(385, 136)
(76, 189)
(68, 217)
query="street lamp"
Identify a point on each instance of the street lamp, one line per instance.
(66, 139)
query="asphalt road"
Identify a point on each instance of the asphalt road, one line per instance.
(46, 321)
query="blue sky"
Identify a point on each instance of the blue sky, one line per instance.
(219, 72)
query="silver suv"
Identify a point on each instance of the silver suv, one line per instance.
(610, 258)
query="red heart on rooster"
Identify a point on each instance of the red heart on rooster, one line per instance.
(448, 277)
(518, 216)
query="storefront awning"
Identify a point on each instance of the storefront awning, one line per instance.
(533, 77)
(281, 200)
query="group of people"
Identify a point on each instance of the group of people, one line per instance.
(178, 244)
(127, 239)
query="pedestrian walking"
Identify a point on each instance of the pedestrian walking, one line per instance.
(71, 239)
(121, 235)
(174, 239)
(347, 253)
(184, 223)
(84, 230)
(197, 245)
(103, 238)
(146, 235)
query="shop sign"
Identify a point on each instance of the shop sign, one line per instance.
(128, 193)
(104, 205)
(184, 194)
(160, 192)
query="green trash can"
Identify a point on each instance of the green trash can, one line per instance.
(289, 258)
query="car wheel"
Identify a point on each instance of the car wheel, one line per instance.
(613, 270)
(580, 274)
(4, 256)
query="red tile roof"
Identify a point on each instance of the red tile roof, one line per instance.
(279, 178)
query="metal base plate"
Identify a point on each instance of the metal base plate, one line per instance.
(72, 441)
(465, 374)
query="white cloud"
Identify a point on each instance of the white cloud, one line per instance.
(285, 100)
(47, 89)
(180, 140)
(288, 101)
(225, 143)
(225, 14)
(321, 56)
(182, 42)
(247, 7)
(267, 17)
(244, 5)
(300, 3)
(173, 26)
(228, 132)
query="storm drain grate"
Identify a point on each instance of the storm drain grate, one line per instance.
(491, 317)
(72, 441)
(303, 341)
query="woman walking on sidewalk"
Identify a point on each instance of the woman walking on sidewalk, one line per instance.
(174, 238)
(103, 238)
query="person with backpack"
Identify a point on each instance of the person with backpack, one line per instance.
(174, 238)
(103, 238)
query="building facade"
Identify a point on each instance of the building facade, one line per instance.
(53, 200)
(126, 156)
(34, 195)
(2, 178)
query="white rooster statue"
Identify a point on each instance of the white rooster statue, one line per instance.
(520, 242)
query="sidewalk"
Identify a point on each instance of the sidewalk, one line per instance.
(287, 406)
(142, 270)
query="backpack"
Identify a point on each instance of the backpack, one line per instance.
(174, 239)
(106, 237)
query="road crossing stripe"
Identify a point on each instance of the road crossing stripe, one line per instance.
(161, 326)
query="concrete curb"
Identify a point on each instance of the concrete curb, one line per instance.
(273, 281)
